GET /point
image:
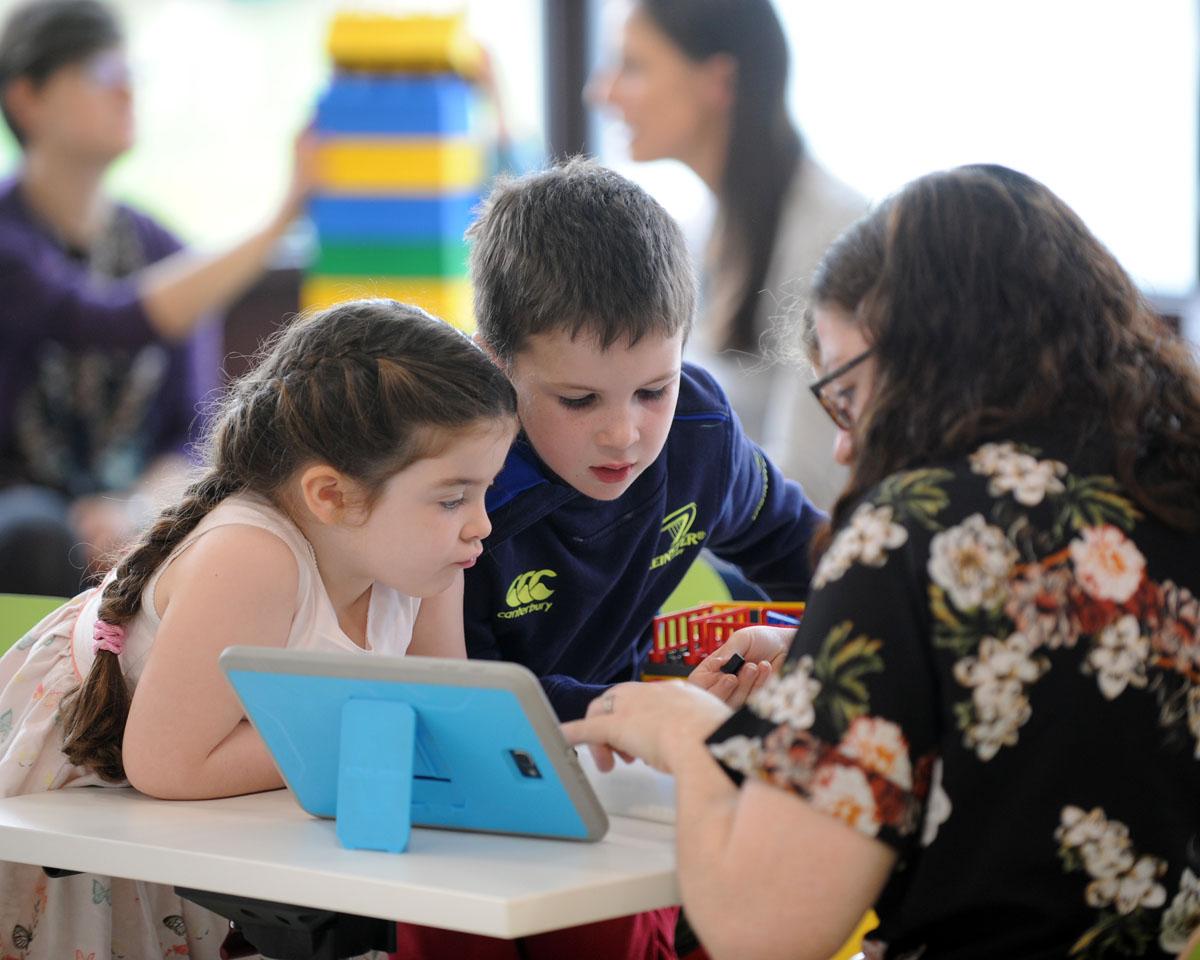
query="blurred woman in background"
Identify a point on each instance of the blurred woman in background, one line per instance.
(705, 82)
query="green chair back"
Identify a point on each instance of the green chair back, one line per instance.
(19, 612)
(701, 584)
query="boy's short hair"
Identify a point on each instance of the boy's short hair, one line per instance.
(579, 248)
(42, 36)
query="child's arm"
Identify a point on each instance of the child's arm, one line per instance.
(187, 737)
(438, 631)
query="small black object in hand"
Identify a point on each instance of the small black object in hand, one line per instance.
(734, 664)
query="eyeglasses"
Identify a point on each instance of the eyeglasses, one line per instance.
(108, 70)
(837, 407)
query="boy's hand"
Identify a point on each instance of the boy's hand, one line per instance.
(762, 648)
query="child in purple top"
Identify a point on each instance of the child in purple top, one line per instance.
(104, 355)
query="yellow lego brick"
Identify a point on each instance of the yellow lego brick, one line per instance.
(391, 164)
(420, 44)
(448, 299)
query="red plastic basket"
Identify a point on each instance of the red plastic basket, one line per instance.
(688, 636)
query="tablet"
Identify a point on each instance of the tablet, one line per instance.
(379, 743)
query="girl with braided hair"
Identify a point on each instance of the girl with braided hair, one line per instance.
(343, 498)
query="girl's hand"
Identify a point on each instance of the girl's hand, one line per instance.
(649, 721)
(762, 648)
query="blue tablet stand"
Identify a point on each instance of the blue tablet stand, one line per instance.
(375, 775)
(381, 755)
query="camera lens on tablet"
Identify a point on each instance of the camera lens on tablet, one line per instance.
(526, 765)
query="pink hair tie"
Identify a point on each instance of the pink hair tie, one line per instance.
(108, 636)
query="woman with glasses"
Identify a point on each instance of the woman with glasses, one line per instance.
(988, 724)
(104, 353)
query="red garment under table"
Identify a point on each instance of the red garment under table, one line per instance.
(640, 936)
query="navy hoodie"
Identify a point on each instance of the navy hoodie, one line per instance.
(568, 585)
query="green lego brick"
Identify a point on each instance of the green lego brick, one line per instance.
(394, 260)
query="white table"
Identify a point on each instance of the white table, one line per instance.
(264, 846)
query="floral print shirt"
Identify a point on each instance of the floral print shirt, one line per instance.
(998, 675)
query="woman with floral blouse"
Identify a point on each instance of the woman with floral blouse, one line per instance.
(988, 725)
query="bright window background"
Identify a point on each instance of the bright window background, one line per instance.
(1096, 98)
(222, 86)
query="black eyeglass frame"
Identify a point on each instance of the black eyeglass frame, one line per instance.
(836, 414)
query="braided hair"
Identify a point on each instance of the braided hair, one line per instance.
(368, 387)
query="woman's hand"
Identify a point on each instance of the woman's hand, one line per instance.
(649, 721)
(762, 648)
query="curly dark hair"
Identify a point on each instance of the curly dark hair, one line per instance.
(989, 305)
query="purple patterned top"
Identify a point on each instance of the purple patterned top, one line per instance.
(89, 393)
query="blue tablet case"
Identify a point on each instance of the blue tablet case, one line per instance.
(382, 743)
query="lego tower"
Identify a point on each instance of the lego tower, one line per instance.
(399, 166)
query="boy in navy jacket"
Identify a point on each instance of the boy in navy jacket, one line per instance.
(629, 461)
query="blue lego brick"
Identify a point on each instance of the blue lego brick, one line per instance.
(439, 105)
(398, 219)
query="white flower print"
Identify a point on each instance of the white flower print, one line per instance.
(988, 458)
(835, 561)
(789, 758)
(937, 807)
(1177, 636)
(741, 753)
(1181, 603)
(1107, 563)
(1134, 886)
(999, 660)
(1140, 887)
(1119, 656)
(972, 562)
(866, 539)
(998, 675)
(1120, 878)
(788, 697)
(1000, 711)
(1039, 606)
(845, 793)
(1028, 479)
(1078, 827)
(877, 533)
(879, 746)
(1110, 856)
(1182, 918)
